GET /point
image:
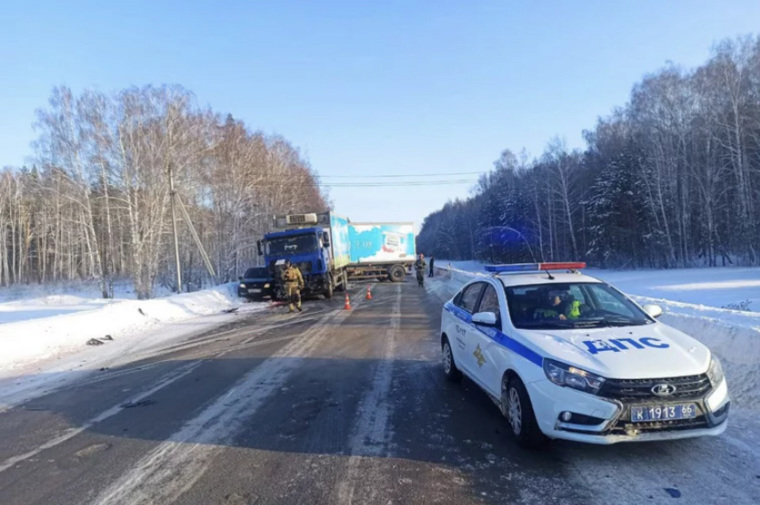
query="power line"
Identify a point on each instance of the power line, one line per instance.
(369, 184)
(398, 175)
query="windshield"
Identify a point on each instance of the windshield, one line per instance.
(292, 245)
(571, 305)
(257, 273)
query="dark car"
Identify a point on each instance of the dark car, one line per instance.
(256, 284)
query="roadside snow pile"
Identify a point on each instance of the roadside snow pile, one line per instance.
(733, 335)
(76, 320)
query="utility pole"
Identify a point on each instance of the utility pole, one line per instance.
(172, 194)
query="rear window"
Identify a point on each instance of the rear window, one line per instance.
(256, 273)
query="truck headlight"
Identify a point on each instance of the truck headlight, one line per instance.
(571, 377)
(715, 372)
(242, 285)
(266, 285)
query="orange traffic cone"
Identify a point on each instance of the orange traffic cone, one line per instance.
(369, 294)
(347, 306)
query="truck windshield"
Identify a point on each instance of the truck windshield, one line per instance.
(571, 305)
(292, 245)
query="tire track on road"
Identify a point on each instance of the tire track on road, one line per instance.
(170, 469)
(370, 436)
(165, 381)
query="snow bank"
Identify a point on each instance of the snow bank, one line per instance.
(67, 331)
(733, 335)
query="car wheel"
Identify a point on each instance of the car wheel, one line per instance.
(449, 366)
(518, 409)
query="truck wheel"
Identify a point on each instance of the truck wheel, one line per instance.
(330, 288)
(343, 286)
(397, 273)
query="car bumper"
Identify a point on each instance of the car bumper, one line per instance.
(264, 293)
(607, 421)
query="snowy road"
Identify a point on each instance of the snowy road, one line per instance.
(331, 406)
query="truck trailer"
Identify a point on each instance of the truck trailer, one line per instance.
(381, 249)
(329, 250)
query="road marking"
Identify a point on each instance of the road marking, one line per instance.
(370, 435)
(170, 469)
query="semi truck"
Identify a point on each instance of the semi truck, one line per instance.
(329, 250)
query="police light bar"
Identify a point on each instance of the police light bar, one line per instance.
(534, 267)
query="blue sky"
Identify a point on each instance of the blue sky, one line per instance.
(391, 87)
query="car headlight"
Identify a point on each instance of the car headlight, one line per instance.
(266, 285)
(242, 285)
(715, 372)
(572, 377)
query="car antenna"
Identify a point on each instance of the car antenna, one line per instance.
(551, 277)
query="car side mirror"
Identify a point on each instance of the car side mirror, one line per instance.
(654, 311)
(258, 247)
(484, 319)
(240, 278)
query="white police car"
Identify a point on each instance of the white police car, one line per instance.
(565, 355)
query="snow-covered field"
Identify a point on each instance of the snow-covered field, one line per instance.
(693, 301)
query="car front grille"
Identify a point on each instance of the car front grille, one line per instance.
(689, 387)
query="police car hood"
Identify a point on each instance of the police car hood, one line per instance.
(631, 352)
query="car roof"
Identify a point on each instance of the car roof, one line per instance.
(528, 279)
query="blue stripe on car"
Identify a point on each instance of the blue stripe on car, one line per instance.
(497, 336)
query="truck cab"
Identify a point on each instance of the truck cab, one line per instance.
(304, 248)
(310, 248)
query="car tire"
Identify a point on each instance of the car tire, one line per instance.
(518, 410)
(450, 369)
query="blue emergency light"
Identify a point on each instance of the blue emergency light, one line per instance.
(534, 267)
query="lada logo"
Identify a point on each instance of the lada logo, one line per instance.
(663, 389)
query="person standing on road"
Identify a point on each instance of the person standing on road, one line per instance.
(432, 263)
(293, 280)
(419, 267)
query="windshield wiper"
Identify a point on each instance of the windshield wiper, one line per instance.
(620, 321)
